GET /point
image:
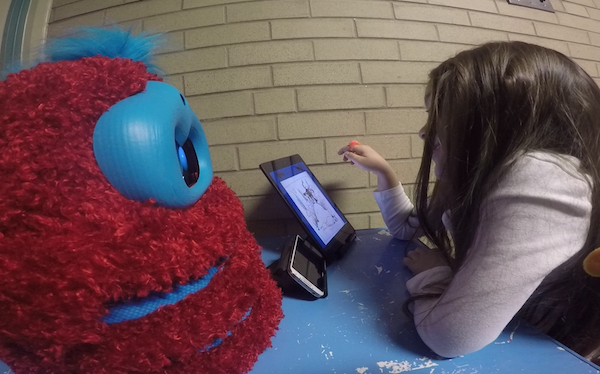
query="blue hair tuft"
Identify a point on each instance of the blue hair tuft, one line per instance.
(112, 43)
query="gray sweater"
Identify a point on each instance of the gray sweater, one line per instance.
(536, 219)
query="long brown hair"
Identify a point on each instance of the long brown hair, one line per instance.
(491, 104)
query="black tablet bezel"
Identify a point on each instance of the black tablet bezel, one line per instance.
(338, 245)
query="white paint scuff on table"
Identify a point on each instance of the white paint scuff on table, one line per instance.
(395, 367)
(384, 233)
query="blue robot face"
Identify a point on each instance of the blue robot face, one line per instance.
(152, 146)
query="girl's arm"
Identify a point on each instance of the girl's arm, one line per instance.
(396, 208)
(398, 213)
(535, 220)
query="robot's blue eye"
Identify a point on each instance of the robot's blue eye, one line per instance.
(182, 158)
(154, 127)
(188, 159)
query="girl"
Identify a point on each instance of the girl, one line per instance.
(514, 133)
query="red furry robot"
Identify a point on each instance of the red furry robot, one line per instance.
(119, 252)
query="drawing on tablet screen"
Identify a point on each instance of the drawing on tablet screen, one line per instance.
(313, 205)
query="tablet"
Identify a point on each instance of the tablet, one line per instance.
(326, 226)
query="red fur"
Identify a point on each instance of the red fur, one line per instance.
(70, 244)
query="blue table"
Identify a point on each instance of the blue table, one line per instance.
(4, 369)
(360, 327)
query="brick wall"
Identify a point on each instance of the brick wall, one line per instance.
(272, 78)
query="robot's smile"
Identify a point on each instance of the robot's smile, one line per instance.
(140, 307)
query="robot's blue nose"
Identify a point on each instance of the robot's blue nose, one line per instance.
(152, 146)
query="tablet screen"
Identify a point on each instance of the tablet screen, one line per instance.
(305, 196)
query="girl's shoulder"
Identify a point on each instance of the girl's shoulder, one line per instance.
(551, 178)
(543, 165)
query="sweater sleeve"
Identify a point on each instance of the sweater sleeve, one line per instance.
(398, 212)
(536, 219)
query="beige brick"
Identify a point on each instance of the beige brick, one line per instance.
(561, 33)
(395, 30)
(187, 4)
(522, 12)
(141, 9)
(173, 42)
(333, 145)
(270, 207)
(340, 176)
(321, 124)
(252, 155)
(257, 10)
(348, 97)
(585, 52)
(240, 130)
(193, 60)
(354, 201)
(223, 158)
(578, 22)
(270, 52)
(227, 34)
(316, 73)
(312, 28)
(469, 35)
(558, 6)
(186, 19)
(503, 23)
(559, 46)
(175, 81)
(481, 5)
(57, 29)
(406, 96)
(395, 121)
(594, 13)
(231, 79)
(134, 27)
(275, 101)
(429, 13)
(595, 38)
(583, 2)
(356, 49)
(247, 183)
(82, 7)
(376, 221)
(409, 188)
(358, 221)
(390, 147)
(416, 146)
(406, 170)
(396, 72)
(429, 51)
(576, 9)
(351, 8)
(588, 66)
(232, 104)
(59, 3)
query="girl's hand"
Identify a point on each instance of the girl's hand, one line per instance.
(422, 259)
(368, 159)
(365, 158)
